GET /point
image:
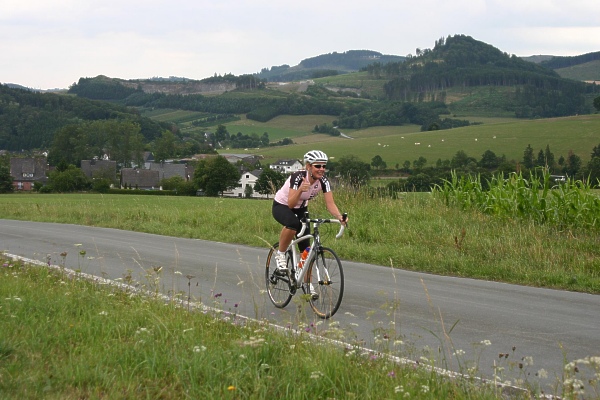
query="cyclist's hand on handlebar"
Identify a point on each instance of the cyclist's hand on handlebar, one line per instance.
(343, 219)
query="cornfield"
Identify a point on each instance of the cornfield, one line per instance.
(569, 204)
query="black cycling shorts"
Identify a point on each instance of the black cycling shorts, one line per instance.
(288, 217)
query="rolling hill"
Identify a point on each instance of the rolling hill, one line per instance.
(460, 81)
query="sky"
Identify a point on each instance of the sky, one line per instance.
(48, 44)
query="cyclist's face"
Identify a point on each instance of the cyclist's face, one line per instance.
(318, 169)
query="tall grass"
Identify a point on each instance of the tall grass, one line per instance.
(62, 337)
(572, 204)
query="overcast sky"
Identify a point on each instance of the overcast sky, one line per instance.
(52, 43)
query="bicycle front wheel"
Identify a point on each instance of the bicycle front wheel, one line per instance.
(327, 286)
(278, 287)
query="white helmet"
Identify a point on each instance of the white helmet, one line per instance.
(314, 156)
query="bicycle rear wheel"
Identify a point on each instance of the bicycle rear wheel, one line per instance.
(278, 287)
(328, 283)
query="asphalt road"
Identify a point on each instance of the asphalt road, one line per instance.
(539, 328)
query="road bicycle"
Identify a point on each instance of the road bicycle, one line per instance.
(320, 275)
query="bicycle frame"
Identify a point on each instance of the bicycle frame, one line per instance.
(299, 273)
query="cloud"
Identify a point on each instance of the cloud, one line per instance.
(54, 43)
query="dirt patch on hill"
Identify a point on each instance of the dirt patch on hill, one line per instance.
(184, 88)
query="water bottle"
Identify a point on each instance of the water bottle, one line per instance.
(303, 257)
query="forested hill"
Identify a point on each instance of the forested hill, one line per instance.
(29, 120)
(326, 65)
(564, 62)
(461, 61)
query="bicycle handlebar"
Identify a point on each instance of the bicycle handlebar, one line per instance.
(320, 221)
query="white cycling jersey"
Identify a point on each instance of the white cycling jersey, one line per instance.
(294, 181)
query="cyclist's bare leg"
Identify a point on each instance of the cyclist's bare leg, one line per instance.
(285, 238)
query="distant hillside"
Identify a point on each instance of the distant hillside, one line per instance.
(326, 65)
(585, 67)
(563, 62)
(537, 58)
(104, 88)
(587, 72)
(529, 90)
(29, 120)
(17, 86)
(460, 71)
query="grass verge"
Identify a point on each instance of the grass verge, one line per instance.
(62, 337)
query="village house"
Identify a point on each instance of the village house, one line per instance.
(247, 179)
(97, 169)
(143, 179)
(148, 158)
(287, 166)
(27, 170)
(168, 170)
(242, 159)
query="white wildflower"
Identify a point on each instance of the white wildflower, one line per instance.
(542, 373)
(316, 375)
(103, 313)
(486, 342)
(198, 349)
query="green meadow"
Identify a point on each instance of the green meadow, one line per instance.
(503, 136)
(66, 338)
(396, 145)
(62, 337)
(415, 231)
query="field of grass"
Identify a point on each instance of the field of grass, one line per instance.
(396, 145)
(284, 126)
(174, 116)
(415, 232)
(62, 337)
(360, 81)
(589, 71)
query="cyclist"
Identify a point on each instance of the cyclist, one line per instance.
(291, 202)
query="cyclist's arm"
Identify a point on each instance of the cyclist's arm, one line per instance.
(332, 207)
(293, 197)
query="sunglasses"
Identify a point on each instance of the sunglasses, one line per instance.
(319, 166)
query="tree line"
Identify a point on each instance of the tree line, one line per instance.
(423, 176)
(29, 120)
